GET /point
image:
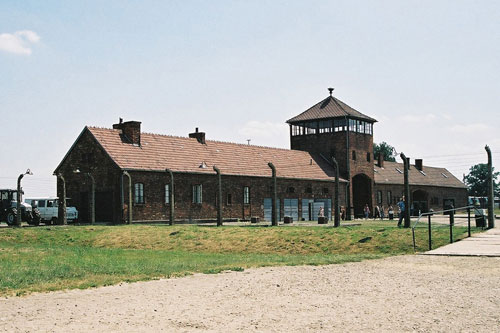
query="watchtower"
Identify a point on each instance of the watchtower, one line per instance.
(334, 129)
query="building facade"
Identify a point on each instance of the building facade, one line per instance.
(100, 160)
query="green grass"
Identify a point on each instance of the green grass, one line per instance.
(65, 257)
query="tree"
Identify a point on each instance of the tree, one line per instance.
(386, 149)
(477, 181)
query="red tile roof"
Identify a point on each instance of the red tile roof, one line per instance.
(431, 176)
(330, 107)
(181, 154)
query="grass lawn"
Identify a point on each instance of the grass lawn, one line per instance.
(66, 257)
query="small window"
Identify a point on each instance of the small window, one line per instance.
(368, 158)
(398, 170)
(290, 189)
(389, 197)
(379, 197)
(444, 175)
(309, 190)
(139, 193)
(246, 195)
(229, 199)
(167, 193)
(325, 190)
(354, 155)
(41, 203)
(197, 194)
(434, 201)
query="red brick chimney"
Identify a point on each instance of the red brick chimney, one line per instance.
(200, 136)
(380, 160)
(131, 130)
(419, 164)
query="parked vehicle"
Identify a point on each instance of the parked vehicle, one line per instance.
(8, 209)
(49, 209)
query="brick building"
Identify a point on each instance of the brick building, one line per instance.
(100, 157)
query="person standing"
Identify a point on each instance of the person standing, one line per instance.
(391, 212)
(367, 211)
(377, 212)
(382, 213)
(401, 205)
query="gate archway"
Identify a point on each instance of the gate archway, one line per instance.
(420, 202)
(361, 193)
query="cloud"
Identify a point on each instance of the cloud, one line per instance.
(19, 42)
(265, 133)
(411, 118)
(469, 128)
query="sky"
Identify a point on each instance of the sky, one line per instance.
(428, 71)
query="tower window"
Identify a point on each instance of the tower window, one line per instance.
(325, 126)
(368, 157)
(311, 127)
(354, 155)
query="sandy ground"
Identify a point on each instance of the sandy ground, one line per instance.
(406, 293)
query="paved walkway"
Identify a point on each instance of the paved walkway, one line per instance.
(481, 244)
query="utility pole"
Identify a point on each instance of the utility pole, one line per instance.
(219, 196)
(19, 197)
(406, 190)
(61, 209)
(491, 195)
(274, 219)
(125, 173)
(336, 220)
(172, 197)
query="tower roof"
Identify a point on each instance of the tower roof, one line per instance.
(330, 107)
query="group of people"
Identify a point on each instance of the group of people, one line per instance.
(380, 211)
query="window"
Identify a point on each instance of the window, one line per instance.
(197, 194)
(379, 197)
(167, 193)
(352, 125)
(339, 125)
(325, 190)
(41, 203)
(398, 170)
(290, 190)
(354, 155)
(246, 195)
(368, 157)
(139, 193)
(389, 197)
(309, 190)
(325, 126)
(434, 201)
(229, 199)
(311, 127)
(297, 130)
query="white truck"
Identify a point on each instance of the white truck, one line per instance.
(49, 211)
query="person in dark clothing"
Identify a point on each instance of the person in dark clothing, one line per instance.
(401, 205)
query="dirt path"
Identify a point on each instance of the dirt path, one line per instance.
(408, 293)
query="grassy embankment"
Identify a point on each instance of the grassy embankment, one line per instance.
(66, 257)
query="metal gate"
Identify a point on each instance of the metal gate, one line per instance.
(268, 203)
(291, 208)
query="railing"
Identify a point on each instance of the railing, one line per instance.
(451, 224)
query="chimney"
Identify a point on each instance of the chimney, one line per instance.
(380, 160)
(131, 131)
(408, 162)
(419, 164)
(200, 136)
